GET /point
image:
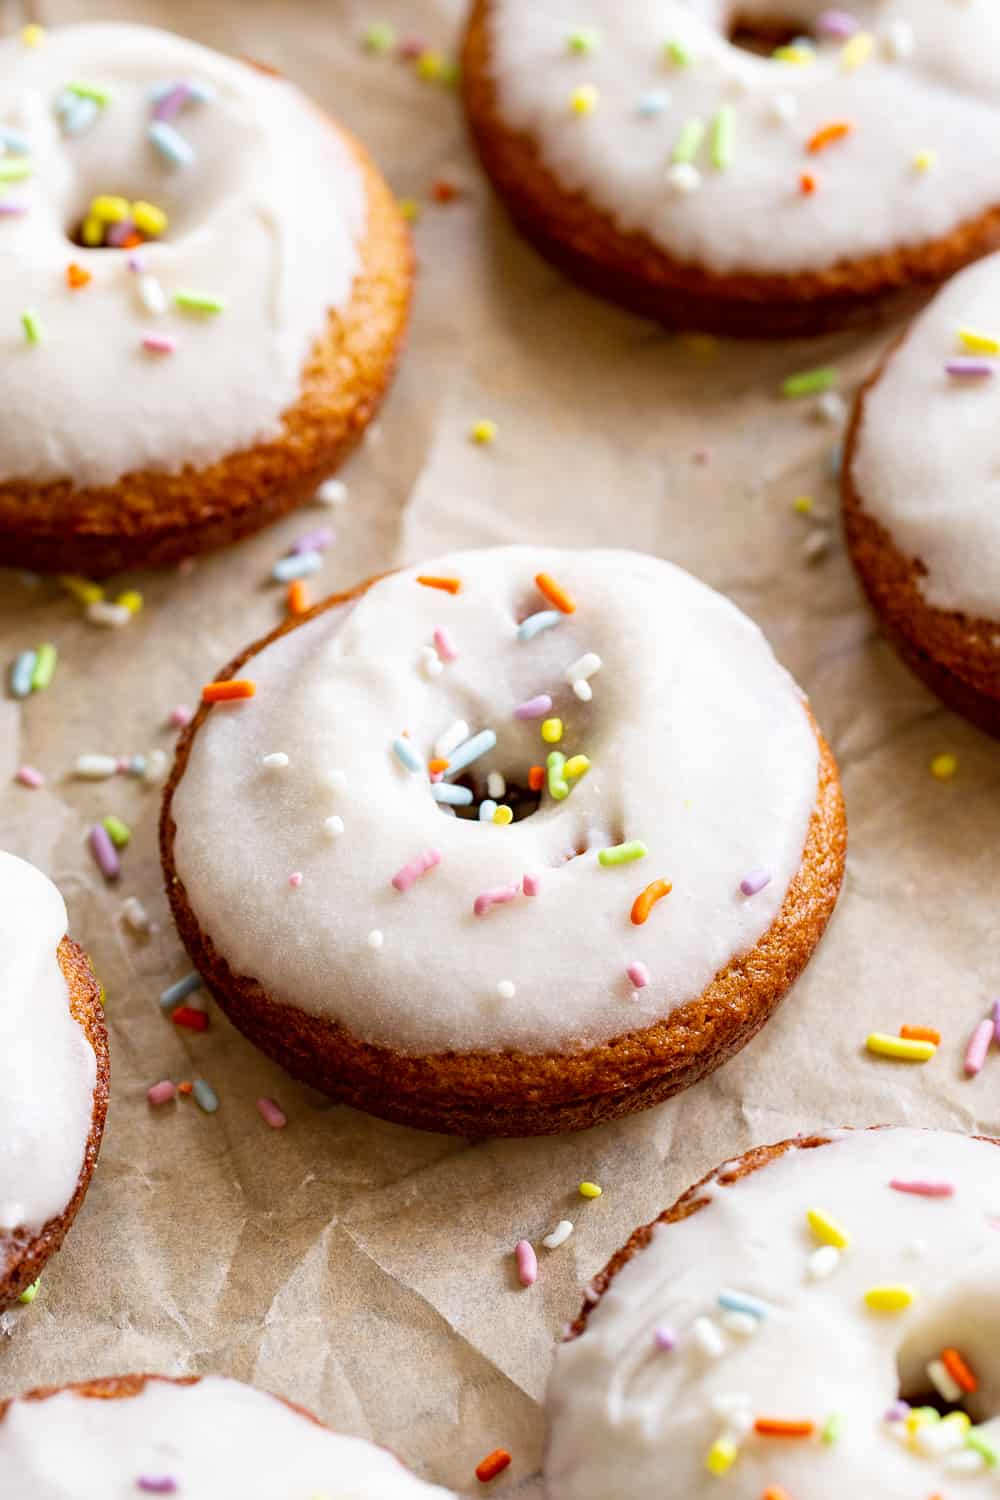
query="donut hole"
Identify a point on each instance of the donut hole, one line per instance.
(120, 233)
(520, 798)
(966, 1325)
(763, 34)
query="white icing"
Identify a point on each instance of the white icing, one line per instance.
(928, 451)
(700, 747)
(623, 1413)
(47, 1066)
(266, 217)
(219, 1440)
(943, 96)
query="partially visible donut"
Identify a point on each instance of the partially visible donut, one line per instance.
(458, 975)
(198, 371)
(678, 174)
(197, 1438)
(54, 1075)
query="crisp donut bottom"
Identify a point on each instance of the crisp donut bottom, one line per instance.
(512, 1093)
(629, 269)
(24, 1254)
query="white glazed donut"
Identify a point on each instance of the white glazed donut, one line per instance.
(685, 744)
(210, 1439)
(864, 159)
(745, 1308)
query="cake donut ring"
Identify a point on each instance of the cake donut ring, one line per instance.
(205, 286)
(919, 495)
(204, 1438)
(54, 1075)
(691, 181)
(812, 1319)
(622, 899)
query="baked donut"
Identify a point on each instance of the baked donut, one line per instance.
(206, 283)
(199, 1439)
(427, 867)
(53, 1075)
(684, 177)
(919, 495)
(815, 1319)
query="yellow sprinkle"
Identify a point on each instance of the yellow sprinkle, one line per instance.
(81, 588)
(857, 51)
(576, 766)
(552, 731)
(925, 160)
(889, 1298)
(960, 1419)
(92, 232)
(584, 99)
(900, 1047)
(721, 1456)
(590, 1190)
(33, 36)
(791, 54)
(503, 815)
(802, 504)
(148, 218)
(131, 599)
(978, 343)
(410, 209)
(827, 1230)
(109, 210)
(431, 65)
(484, 431)
(944, 766)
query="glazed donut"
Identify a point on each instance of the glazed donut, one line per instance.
(201, 1439)
(614, 728)
(919, 493)
(815, 1319)
(54, 1075)
(680, 175)
(205, 284)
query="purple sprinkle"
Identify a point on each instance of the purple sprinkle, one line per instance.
(967, 368)
(534, 708)
(104, 853)
(996, 1021)
(11, 210)
(315, 541)
(897, 1411)
(755, 881)
(664, 1338)
(156, 1484)
(118, 233)
(839, 24)
(173, 102)
(136, 262)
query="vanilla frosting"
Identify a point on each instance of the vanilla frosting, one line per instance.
(930, 82)
(216, 1440)
(700, 747)
(928, 448)
(47, 1066)
(265, 216)
(630, 1417)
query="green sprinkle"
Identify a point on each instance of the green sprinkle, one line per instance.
(16, 169)
(584, 41)
(690, 138)
(974, 1439)
(32, 326)
(45, 667)
(451, 72)
(101, 97)
(833, 1427)
(809, 382)
(198, 302)
(555, 763)
(678, 54)
(622, 854)
(118, 832)
(380, 37)
(722, 138)
(30, 1292)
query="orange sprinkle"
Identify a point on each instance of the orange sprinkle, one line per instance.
(185, 1088)
(224, 692)
(298, 597)
(644, 903)
(807, 184)
(554, 594)
(132, 241)
(959, 1371)
(827, 134)
(76, 276)
(775, 1427)
(443, 191)
(493, 1464)
(773, 1493)
(437, 764)
(921, 1034)
(536, 778)
(449, 585)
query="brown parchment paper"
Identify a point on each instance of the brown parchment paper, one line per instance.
(363, 1269)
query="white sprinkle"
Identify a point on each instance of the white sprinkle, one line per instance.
(430, 663)
(151, 295)
(157, 766)
(496, 785)
(830, 407)
(708, 1338)
(941, 1379)
(784, 107)
(95, 767)
(583, 690)
(451, 739)
(816, 546)
(559, 1235)
(334, 826)
(336, 780)
(740, 1323)
(332, 492)
(683, 178)
(276, 761)
(135, 915)
(899, 40)
(506, 990)
(584, 667)
(113, 616)
(822, 1262)
(729, 1404)
(375, 939)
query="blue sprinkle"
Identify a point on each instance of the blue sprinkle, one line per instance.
(486, 810)
(16, 143)
(836, 461)
(206, 1096)
(544, 620)
(480, 744)
(175, 993)
(21, 674)
(654, 103)
(296, 565)
(741, 1302)
(78, 115)
(408, 756)
(170, 143)
(201, 92)
(456, 796)
(137, 765)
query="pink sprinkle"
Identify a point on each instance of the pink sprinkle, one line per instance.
(755, 881)
(180, 716)
(103, 850)
(496, 897)
(979, 1045)
(11, 210)
(172, 103)
(159, 343)
(534, 708)
(295, 879)
(161, 1093)
(531, 884)
(436, 776)
(315, 541)
(996, 1020)
(967, 368)
(839, 24)
(527, 1263)
(118, 233)
(446, 648)
(28, 776)
(924, 1189)
(411, 873)
(412, 47)
(272, 1114)
(123, 763)
(664, 1338)
(639, 975)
